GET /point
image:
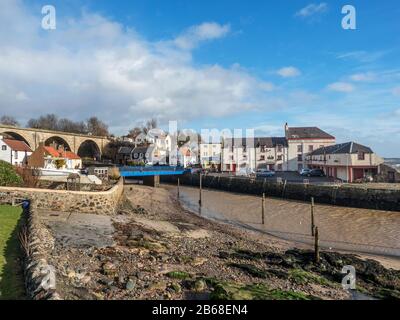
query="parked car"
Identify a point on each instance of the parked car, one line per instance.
(195, 169)
(305, 172)
(316, 173)
(245, 172)
(264, 173)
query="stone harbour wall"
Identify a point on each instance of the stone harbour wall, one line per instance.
(40, 277)
(345, 195)
(103, 202)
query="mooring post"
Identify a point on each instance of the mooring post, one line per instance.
(200, 189)
(263, 209)
(312, 216)
(316, 245)
(178, 188)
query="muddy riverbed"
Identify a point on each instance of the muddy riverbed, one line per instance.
(340, 228)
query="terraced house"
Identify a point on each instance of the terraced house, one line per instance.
(286, 153)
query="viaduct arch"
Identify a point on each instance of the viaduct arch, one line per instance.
(77, 143)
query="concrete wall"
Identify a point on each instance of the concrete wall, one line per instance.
(104, 202)
(343, 195)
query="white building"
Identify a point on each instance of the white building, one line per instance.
(210, 155)
(14, 152)
(257, 153)
(348, 161)
(303, 141)
(238, 153)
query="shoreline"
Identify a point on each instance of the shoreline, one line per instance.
(155, 249)
(391, 260)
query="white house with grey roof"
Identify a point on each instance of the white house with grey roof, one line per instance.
(301, 142)
(348, 161)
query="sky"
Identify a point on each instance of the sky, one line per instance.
(208, 64)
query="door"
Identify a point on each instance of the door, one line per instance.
(233, 167)
(391, 177)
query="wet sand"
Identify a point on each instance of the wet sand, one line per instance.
(365, 231)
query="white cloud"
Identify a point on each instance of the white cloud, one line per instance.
(288, 72)
(312, 9)
(363, 77)
(91, 65)
(341, 87)
(362, 56)
(203, 32)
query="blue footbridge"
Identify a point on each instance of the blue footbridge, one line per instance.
(151, 175)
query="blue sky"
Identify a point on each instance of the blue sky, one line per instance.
(208, 64)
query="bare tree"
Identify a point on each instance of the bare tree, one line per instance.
(47, 122)
(150, 124)
(133, 133)
(9, 121)
(96, 127)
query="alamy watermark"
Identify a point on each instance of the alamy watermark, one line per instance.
(349, 21)
(49, 21)
(349, 280)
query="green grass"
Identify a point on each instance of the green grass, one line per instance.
(11, 279)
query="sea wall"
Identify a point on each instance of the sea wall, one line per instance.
(103, 202)
(341, 195)
(36, 242)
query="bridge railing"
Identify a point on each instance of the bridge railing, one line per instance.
(152, 168)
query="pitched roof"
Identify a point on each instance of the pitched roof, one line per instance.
(269, 142)
(307, 133)
(51, 151)
(17, 145)
(61, 154)
(125, 150)
(343, 148)
(70, 155)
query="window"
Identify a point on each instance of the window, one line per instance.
(262, 148)
(361, 155)
(244, 149)
(279, 158)
(4, 148)
(299, 148)
(231, 157)
(262, 158)
(280, 167)
(299, 157)
(279, 148)
(15, 155)
(310, 148)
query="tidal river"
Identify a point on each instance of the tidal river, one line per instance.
(340, 228)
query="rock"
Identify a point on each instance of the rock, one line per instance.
(200, 286)
(109, 269)
(130, 285)
(176, 287)
(158, 286)
(224, 255)
(86, 279)
(198, 261)
(71, 274)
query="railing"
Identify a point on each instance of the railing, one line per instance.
(146, 169)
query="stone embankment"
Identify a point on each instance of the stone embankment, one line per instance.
(341, 195)
(37, 243)
(103, 202)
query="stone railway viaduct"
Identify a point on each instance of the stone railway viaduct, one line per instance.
(71, 141)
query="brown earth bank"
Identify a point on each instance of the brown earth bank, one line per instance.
(154, 249)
